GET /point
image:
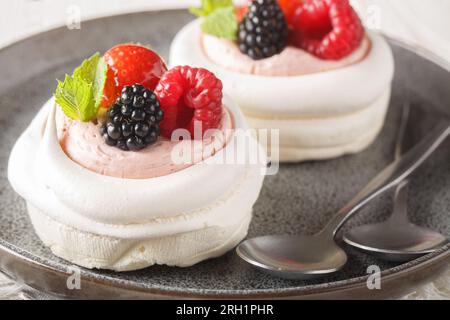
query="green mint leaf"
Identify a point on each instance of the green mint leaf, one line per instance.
(199, 12)
(221, 23)
(80, 95)
(88, 68)
(74, 95)
(209, 6)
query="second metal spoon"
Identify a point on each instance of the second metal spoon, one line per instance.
(396, 239)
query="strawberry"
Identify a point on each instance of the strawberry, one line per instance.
(289, 7)
(109, 92)
(240, 12)
(130, 64)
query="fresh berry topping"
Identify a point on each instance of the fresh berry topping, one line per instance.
(132, 63)
(263, 32)
(241, 11)
(329, 29)
(109, 91)
(189, 95)
(289, 7)
(133, 121)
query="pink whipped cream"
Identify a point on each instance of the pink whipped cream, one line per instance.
(82, 142)
(291, 61)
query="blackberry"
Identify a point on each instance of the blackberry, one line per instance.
(263, 32)
(133, 121)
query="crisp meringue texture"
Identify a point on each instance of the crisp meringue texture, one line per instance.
(318, 139)
(331, 106)
(99, 221)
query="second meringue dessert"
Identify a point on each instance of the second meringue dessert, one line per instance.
(305, 67)
(124, 168)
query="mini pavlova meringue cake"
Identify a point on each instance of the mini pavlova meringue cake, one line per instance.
(307, 68)
(130, 165)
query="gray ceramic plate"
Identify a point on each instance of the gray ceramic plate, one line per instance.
(300, 199)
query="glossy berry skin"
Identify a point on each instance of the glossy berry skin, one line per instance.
(263, 31)
(133, 121)
(133, 63)
(109, 92)
(189, 95)
(328, 29)
(241, 11)
(289, 7)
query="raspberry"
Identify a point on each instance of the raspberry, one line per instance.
(329, 29)
(188, 95)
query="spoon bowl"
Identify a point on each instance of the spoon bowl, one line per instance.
(294, 257)
(395, 242)
(396, 239)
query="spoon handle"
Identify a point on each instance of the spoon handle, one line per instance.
(400, 212)
(392, 175)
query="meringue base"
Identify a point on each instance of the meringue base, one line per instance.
(304, 139)
(95, 251)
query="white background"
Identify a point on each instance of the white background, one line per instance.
(420, 23)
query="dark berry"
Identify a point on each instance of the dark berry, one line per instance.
(151, 138)
(114, 110)
(137, 88)
(159, 115)
(117, 119)
(134, 143)
(263, 32)
(108, 140)
(127, 95)
(127, 129)
(113, 131)
(126, 110)
(138, 101)
(141, 129)
(138, 115)
(133, 121)
(122, 144)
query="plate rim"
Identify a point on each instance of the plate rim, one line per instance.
(389, 276)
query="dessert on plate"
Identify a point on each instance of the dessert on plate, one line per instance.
(123, 168)
(305, 67)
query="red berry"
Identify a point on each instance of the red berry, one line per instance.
(329, 29)
(109, 92)
(289, 7)
(189, 95)
(133, 63)
(241, 11)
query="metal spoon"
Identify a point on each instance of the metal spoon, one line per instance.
(304, 257)
(396, 239)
